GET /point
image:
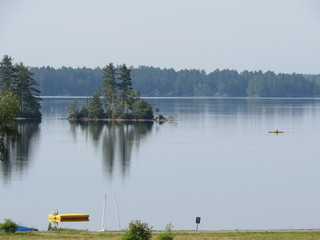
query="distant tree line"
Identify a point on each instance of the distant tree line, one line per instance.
(313, 77)
(151, 81)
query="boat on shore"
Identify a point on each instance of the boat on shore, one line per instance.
(25, 229)
(68, 217)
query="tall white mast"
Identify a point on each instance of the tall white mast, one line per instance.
(115, 202)
(103, 228)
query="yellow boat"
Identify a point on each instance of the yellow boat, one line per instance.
(276, 132)
(68, 217)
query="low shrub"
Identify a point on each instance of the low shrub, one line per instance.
(8, 226)
(168, 234)
(138, 231)
(165, 236)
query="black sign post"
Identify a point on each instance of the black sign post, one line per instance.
(198, 219)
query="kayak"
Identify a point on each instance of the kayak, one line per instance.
(276, 131)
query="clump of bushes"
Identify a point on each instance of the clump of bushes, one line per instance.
(8, 226)
(138, 231)
(167, 234)
(93, 108)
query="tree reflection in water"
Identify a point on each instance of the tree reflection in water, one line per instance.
(17, 139)
(8, 136)
(117, 140)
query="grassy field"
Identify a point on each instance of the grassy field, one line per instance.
(84, 235)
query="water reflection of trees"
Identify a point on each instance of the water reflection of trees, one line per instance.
(8, 136)
(18, 142)
(117, 140)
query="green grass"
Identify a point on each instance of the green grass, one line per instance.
(64, 234)
(69, 230)
(249, 236)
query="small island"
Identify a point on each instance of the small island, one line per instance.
(119, 101)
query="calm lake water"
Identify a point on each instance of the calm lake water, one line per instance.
(216, 161)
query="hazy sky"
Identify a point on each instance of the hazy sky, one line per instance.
(277, 35)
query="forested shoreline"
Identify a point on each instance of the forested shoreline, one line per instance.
(17, 87)
(18, 99)
(156, 82)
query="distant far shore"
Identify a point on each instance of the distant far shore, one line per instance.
(154, 82)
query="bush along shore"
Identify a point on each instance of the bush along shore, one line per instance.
(119, 101)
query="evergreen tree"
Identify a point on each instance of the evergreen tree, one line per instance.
(124, 86)
(7, 73)
(95, 106)
(84, 110)
(109, 88)
(73, 109)
(26, 93)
